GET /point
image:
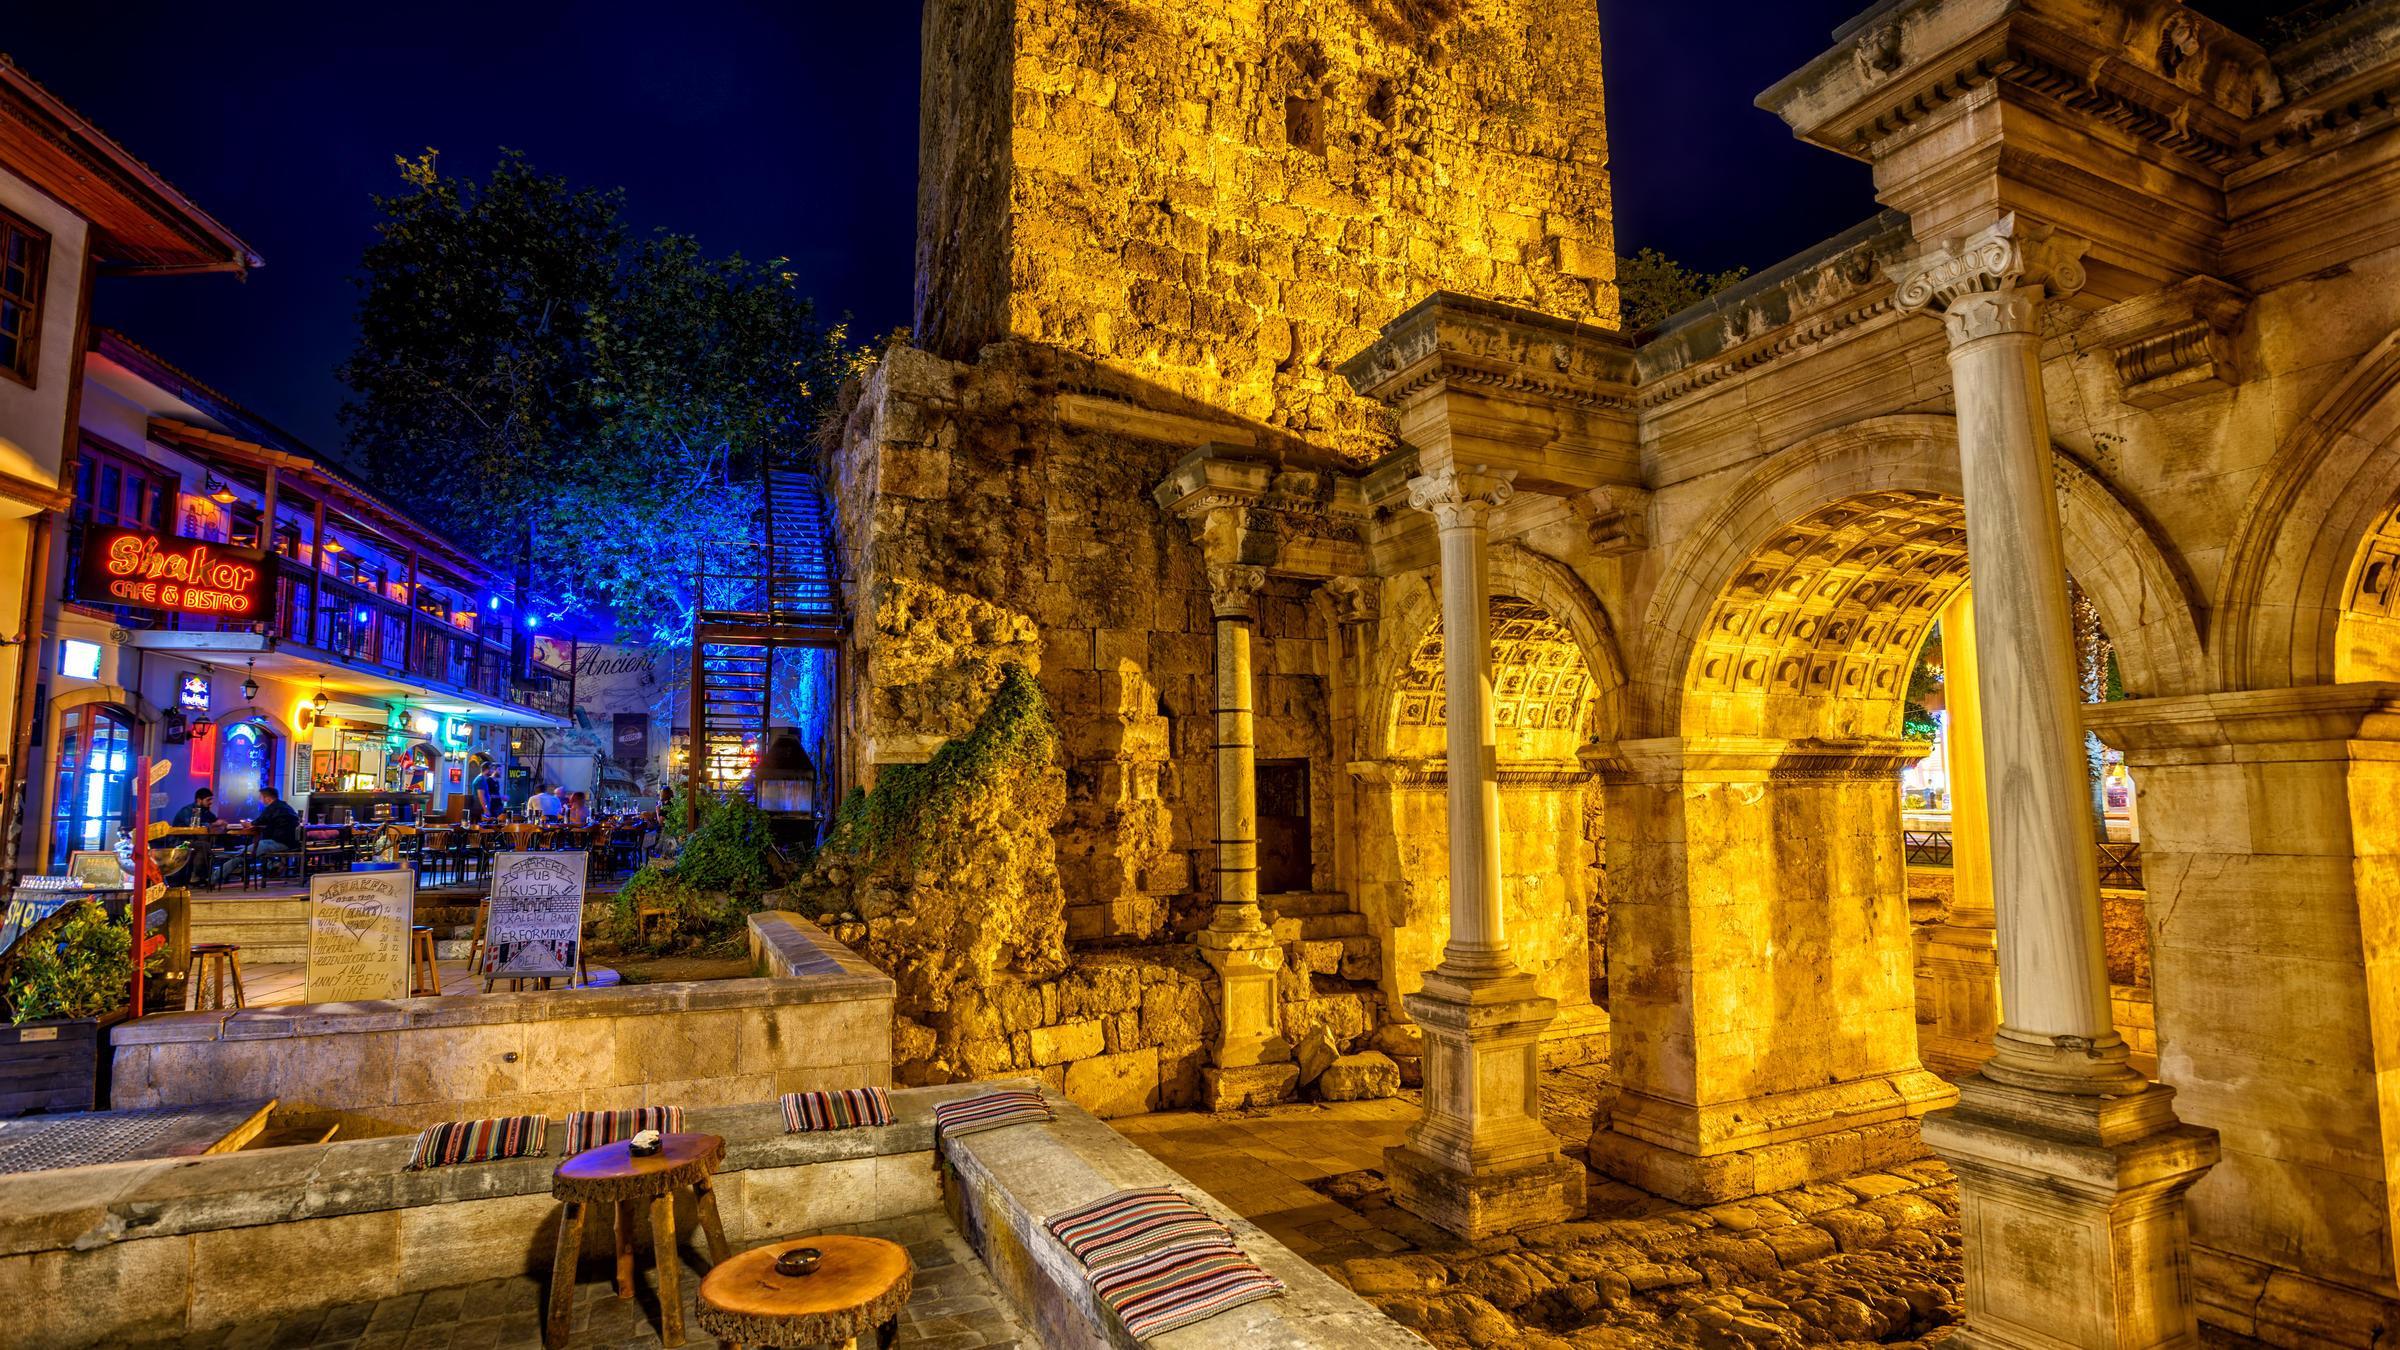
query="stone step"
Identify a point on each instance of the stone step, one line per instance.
(1322, 927)
(1300, 904)
(1350, 958)
(238, 910)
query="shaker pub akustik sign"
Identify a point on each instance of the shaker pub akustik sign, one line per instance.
(144, 570)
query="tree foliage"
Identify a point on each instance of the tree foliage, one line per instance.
(81, 967)
(528, 372)
(1652, 287)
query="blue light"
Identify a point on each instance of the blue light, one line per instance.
(532, 622)
(493, 603)
(362, 614)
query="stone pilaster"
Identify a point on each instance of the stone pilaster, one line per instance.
(1481, 1161)
(2071, 1166)
(2268, 827)
(1961, 961)
(1253, 1060)
(1761, 1005)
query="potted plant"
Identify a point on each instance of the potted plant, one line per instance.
(61, 984)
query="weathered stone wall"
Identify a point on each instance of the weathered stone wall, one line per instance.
(1227, 200)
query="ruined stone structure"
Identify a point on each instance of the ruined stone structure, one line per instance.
(1266, 390)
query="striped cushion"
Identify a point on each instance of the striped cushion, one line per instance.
(469, 1141)
(836, 1109)
(1177, 1286)
(987, 1112)
(587, 1130)
(1130, 1223)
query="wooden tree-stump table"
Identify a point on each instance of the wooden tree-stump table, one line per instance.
(859, 1285)
(613, 1175)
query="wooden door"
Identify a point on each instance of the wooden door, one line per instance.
(1284, 865)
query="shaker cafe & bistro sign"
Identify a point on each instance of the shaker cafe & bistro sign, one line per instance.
(141, 569)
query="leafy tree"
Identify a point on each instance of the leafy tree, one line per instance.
(528, 372)
(1653, 287)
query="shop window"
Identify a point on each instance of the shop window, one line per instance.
(24, 258)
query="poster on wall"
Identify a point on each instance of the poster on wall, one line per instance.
(358, 924)
(536, 925)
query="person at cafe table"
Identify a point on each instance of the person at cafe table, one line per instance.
(201, 814)
(277, 830)
(545, 805)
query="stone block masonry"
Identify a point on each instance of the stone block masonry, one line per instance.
(1224, 202)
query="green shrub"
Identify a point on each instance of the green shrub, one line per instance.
(727, 863)
(86, 972)
(1013, 740)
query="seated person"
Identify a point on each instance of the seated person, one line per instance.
(277, 830)
(546, 804)
(201, 813)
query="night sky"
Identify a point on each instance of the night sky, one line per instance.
(778, 129)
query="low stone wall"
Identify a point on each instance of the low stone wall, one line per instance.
(1001, 1184)
(818, 1018)
(140, 1250)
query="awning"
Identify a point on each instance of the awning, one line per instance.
(357, 689)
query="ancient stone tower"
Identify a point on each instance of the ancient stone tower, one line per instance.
(1226, 198)
(1147, 227)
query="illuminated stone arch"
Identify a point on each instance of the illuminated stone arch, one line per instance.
(1555, 663)
(2308, 595)
(1800, 601)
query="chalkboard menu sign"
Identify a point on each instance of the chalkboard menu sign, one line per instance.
(536, 926)
(358, 925)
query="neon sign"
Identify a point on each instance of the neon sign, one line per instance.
(140, 569)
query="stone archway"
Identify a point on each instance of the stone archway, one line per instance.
(1761, 957)
(2308, 544)
(1557, 685)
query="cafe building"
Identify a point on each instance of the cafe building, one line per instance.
(231, 601)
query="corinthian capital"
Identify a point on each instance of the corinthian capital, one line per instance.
(1232, 588)
(1993, 282)
(1462, 497)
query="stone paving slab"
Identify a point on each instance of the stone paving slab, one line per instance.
(954, 1307)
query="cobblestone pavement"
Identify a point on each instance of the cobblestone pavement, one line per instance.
(954, 1307)
(1871, 1259)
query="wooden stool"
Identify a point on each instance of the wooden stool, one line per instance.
(860, 1284)
(612, 1175)
(424, 969)
(211, 963)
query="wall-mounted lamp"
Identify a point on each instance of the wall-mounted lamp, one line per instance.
(220, 491)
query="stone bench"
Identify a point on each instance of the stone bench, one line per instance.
(816, 1017)
(140, 1250)
(1003, 1183)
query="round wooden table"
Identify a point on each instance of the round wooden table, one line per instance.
(861, 1284)
(612, 1175)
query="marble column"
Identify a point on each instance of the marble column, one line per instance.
(1253, 1062)
(2072, 1167)
(1961, 959)
(1480, 1161)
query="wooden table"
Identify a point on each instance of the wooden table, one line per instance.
(612, 1175)
(860, 1284)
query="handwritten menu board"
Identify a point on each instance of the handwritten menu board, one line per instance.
(536, 927)
(358, 926)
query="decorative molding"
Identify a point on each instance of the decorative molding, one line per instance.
(1993, 282)
(1435, 773)
(1232, 588)
(1462, 499)
(2178, 344)
(1615, 518)
(1353, 600)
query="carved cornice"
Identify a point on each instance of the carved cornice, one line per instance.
(1353, 599)
(1454, 339)
(1993, 282)
(1615, 519)
(1302, 521)
(1435, 773)
(1683, 761)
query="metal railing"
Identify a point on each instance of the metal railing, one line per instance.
(2120, 864)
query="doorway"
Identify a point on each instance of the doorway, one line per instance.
(1284, 864)
(252, 758)
(96, 747)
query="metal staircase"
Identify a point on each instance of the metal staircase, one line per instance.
(757, 597)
